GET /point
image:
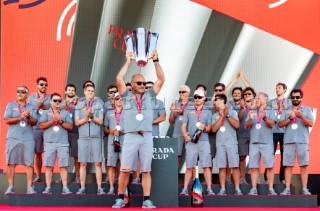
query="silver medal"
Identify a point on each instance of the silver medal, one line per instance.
(258, 126)
(222, 129)
(22, 123)
(89, 120)
(70, 115)
(294, 126)
(198, 124)
(118, 128)
(279, 116)
(40, 111)
(56, 128)
(139, 117)
(180, 118)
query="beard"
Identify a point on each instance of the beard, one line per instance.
(295, 102)
(70, 96)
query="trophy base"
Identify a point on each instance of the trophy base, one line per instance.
(141, 63)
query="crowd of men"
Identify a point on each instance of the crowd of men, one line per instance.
(250, 124)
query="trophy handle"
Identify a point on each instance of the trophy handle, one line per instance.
(129, 44)
(153, 38)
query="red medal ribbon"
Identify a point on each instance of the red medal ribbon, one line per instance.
(198, 114)
(20, 111)
(295, 118)
(260, 116)
(222, 121)
(280, 105)
(139, 102)
(70, 107)
(117, 116)
(183, 107)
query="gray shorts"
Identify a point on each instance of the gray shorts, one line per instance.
(113, 156)
(181, 144)
(264, 151)
(73, 141)
(19, 152)
(201, 150)
(38, 139)
(243, 146)
(89, 150)
(52, 150)
(212, 141)
(293, 149)
(105, 147)
(137, 146)
(227, 155)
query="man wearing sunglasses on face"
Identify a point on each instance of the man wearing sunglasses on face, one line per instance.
(20, 116)
(194, 118)
(138, 141)
(41, 100)
(296, 119)
(56, 123)
(176, 116)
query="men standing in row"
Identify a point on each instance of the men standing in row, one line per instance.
(56, 123)
(261, 122)
(41, 101)
(89, 119)
(138, 141)
(296, 121)
(20, 116)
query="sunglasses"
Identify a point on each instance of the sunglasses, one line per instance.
(112, 92)
(117, 99)
(182, 92)
(56, 100)
(217, 99)
(247, 93)
(21, 91)
(129, 90)
(139, 83)
(148, 87)
(295, 97)
(43, 84)
(197, 97)
(218, 90)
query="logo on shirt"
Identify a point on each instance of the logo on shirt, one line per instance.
(15, 109)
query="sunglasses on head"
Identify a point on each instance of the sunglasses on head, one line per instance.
(21, 91)
(295, 97)
(197, 97)
(182, 92)
(248, 93)
(139, 83)
(56, 100)
(43, 84)
(218, 90)
(112, 92)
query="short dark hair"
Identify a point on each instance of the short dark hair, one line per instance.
(89, 85)
(70, 85)
(222, 96)
(201, 85)
(237, 88)
(150, 82)
(249, 89)
(87, 81)
(111, 87)
(219, 84)
(128, 84)
(41, 79)
(296, 91)
(55, 94)
(284, 86)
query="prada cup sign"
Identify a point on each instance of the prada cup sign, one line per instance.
(142, 43)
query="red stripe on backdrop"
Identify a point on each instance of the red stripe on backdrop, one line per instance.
(30, 49)
(294, 20)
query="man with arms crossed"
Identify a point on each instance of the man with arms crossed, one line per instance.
(138, 141)
(297, 120)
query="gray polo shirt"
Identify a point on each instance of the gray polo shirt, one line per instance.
(110, 121)
(107, 106)
(72, 112)
(89, 129)
(178, 119)
(190, 117)
(301, 134)
(16, 131)
(130, 110)
(158, 109)
(34, 99)
(229, 136)
(50, 136)
(264, 134)
(273, 104)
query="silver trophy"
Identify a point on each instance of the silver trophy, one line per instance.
(142, 43)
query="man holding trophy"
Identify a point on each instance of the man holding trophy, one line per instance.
(137, 111)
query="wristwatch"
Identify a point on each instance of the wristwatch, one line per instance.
(156, 60)
(227, 116)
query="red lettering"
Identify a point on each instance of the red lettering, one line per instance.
(112, 28)
(119, 32)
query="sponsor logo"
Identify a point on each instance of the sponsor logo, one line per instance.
(23, 6)
(162, 153)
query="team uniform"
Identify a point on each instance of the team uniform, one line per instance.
(227, 145)
(111, 122)
(108, 106)
(20, 140)
(296, 141)
(261, 140)
(212, 136)
(202, 148)
(158, 109)
(138, 141)
(56, 140)
(37, 132)
(89, 143)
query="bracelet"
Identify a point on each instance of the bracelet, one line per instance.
(156, 60)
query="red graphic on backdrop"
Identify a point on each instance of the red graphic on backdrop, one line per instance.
(118, 34)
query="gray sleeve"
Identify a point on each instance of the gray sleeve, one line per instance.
(214, 118)
(234, 115)
(8, 111)
(106, 120)
(309, 114)
(185, 116)
(162, 110)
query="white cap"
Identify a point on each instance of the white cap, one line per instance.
(116, 94)
(199, 93)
